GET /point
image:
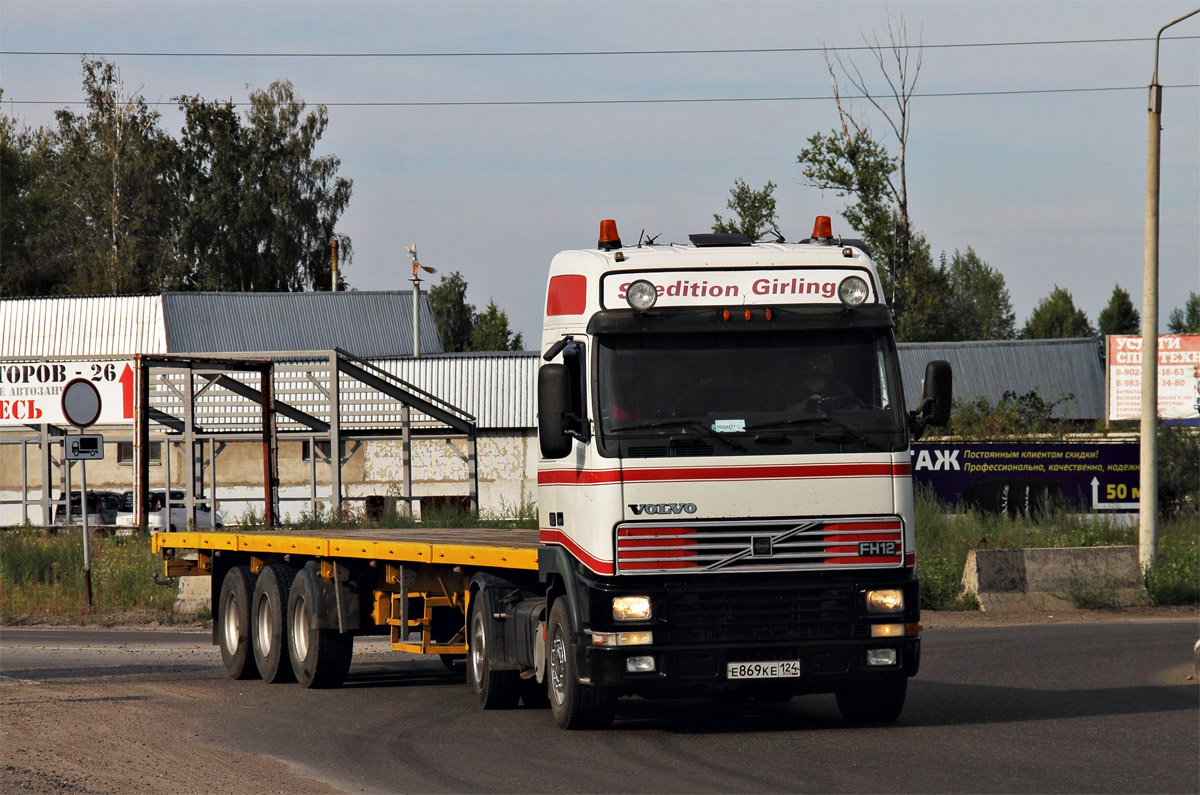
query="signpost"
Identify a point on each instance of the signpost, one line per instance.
(81, 407)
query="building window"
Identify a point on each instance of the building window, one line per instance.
(322, 451)
(125, 453)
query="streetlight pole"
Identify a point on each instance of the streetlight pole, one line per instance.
(1148, 480)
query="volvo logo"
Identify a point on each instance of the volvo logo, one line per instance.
(663, 508)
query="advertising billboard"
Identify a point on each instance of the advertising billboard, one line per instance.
(1023, 478)
(31, 392)
(1178, 377)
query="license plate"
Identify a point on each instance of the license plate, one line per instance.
(777, 669)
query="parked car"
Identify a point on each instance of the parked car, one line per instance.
(156, 520)
(102, 506)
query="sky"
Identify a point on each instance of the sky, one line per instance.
(492, 161)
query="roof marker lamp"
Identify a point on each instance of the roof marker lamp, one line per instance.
(641, 295)
(853, 291)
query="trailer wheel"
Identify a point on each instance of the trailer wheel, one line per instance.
(575, 705)
(269, 623)
(233, 617)
(872, 701)
(319, 657)
(494, 689)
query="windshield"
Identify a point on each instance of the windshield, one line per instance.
(751, 393)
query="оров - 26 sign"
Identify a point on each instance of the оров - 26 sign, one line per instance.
(31, 392)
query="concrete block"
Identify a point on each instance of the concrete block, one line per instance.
(193, 597)
(1054, 579)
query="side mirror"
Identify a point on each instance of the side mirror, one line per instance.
(936, 397)
(554, 396)
(937, 394)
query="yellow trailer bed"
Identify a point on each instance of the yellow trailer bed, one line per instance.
(419, 569)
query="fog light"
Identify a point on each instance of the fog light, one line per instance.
(887, 630)
(622, 638)
(631, 608)
(881, 656)
(887, 600)
(643, 664)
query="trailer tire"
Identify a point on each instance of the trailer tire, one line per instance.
(233, 621)
(494, 689)
(269, 623)
(574, 704)
(872, 701)
(319, 657)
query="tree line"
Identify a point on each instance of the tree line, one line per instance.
(106, 202)
(958, 297)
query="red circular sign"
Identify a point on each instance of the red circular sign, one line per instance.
(81, 402)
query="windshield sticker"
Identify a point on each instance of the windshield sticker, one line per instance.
(729, 426)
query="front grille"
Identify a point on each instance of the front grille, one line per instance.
(759, 546)
(767, 613)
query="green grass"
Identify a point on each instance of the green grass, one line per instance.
(41, 579)
(943, 540)
(41, 576)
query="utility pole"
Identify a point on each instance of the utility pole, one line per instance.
(1148, 481)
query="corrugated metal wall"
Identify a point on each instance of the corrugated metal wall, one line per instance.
(371, 325)
(1055, 368)
(497, 388)
(116, 326)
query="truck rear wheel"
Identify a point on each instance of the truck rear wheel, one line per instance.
(269, 622)
(575, 705)
(319, 657)
(233, 623)
(872, 701)
(494, 689)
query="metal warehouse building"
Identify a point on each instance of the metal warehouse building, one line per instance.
(309, 336)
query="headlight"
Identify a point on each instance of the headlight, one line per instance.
(630, 608)
(641, 295)
(890, 600)
(853, 291)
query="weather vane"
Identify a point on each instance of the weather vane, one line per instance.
(411, 248)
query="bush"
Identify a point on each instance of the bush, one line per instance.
(1013, 415)
(1178, 469)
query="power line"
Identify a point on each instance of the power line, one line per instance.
(579, 53)
(659, 101)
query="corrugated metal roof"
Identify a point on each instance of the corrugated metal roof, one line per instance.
(498, 388)
(372, 325)
(110, 325)
(1055, 368)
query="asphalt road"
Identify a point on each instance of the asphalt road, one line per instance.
(1098, 707)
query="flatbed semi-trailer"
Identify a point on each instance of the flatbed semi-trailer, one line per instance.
(287, 605)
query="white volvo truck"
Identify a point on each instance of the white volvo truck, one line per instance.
(725, 505)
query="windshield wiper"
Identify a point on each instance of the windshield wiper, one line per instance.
(693, 424)
(845, 429)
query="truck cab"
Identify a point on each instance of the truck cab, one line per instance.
(725, 488)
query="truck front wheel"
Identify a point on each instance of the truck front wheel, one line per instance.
(494, 689)
(320, 657)
(574, 704)
(269, 622)
(233, 623)
(872, 701)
